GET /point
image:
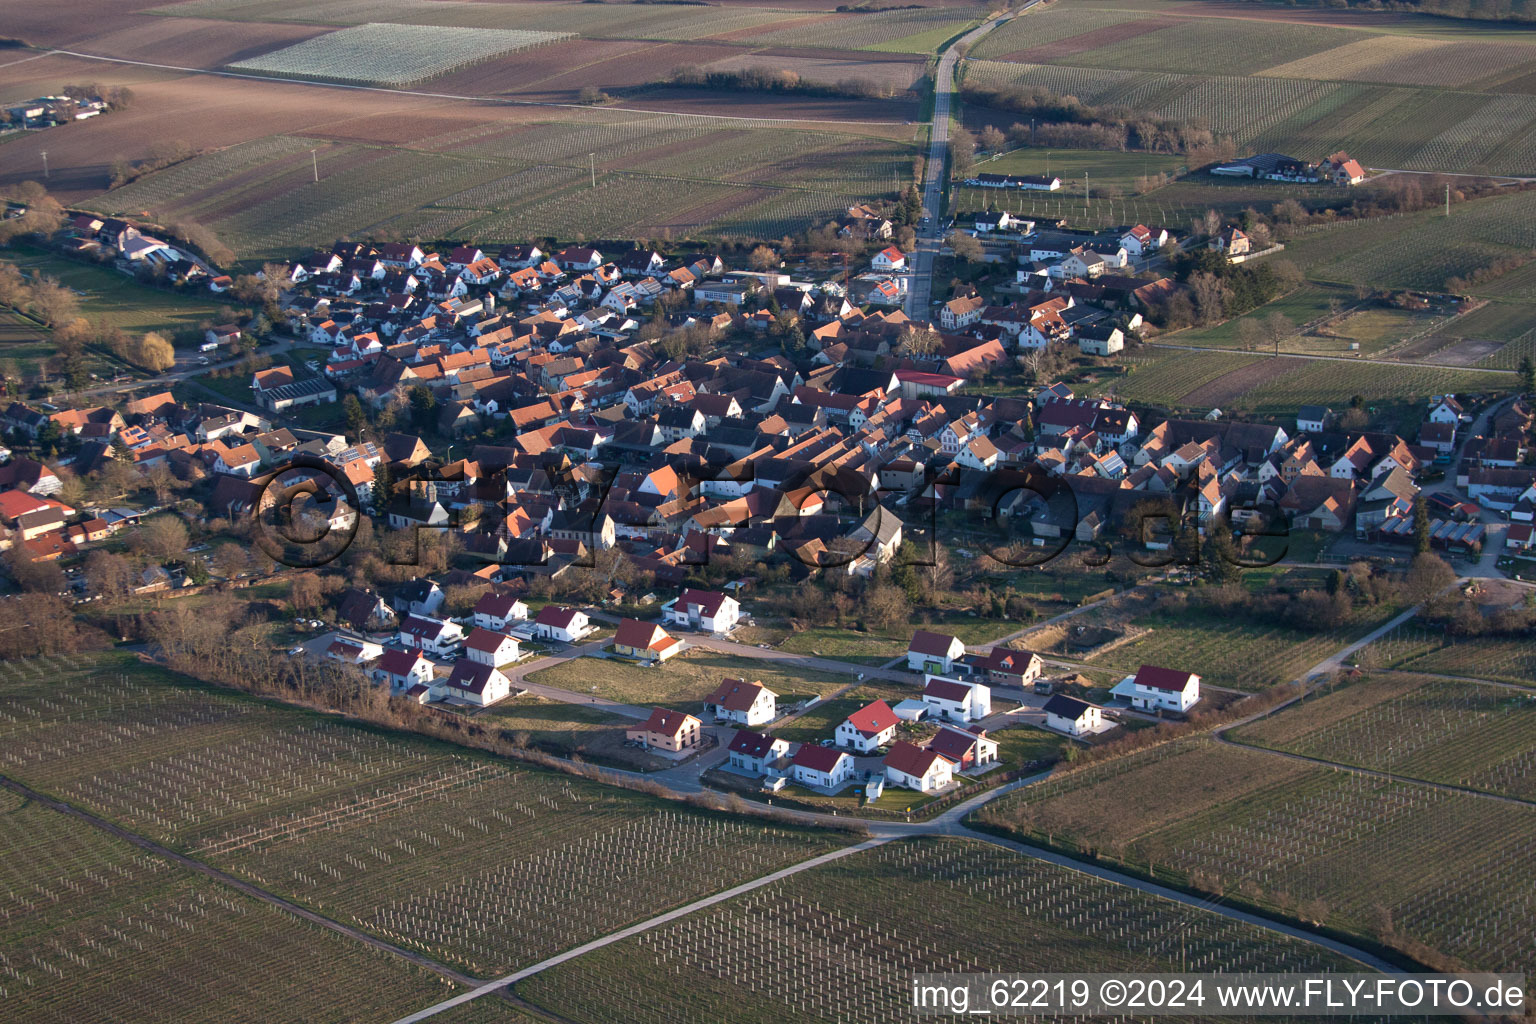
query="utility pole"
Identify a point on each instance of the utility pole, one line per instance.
(1447, 197)
(592, 166)
(1085, 190)
(45, 163)
(314, 162)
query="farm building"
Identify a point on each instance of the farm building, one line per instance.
(672, 731)
(1159, 689)
(1028, 182)
(1269, 167)
(743, 703)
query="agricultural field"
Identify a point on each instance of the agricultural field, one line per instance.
(555, 727)
(1325, 322)
(917, 30)
(392, 55)
(412, 840)
(1234, 651)
(686, 679)
(93, 927)
(847, 936)
(1166, 376)
(1414, 648)
(1404, 863)
(25, 348)
(819, 722)
(1476, 735)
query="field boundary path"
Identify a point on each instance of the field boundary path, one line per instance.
(1330, 359)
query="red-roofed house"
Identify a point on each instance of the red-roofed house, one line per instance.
(912, 766)
(489, 647)
(1003, 666)
(889, 260)
(704, 609)
(645, 641)
(667, 730)
(1153, 688)
(821, 767)
(403, 670)
(933, 652)
(952, 700)
(498, 611)
(869, 728)
(743, 703)
(565, 624)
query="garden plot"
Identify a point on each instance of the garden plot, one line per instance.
(846, 938)
(393, 55)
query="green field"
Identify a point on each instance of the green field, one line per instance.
(1414, 648)
(117, 300)
(846, 938)
(1117, 171)
(1319, 329)
(94, 929)
(464, 857)
(821, 720)
(1405, 863)
(1466, 734)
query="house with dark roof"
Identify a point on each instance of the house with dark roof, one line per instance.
(966, 749)
(476, 682)
(710, 610)
(752, 752)
(823, 768)
(1072, 716)
(498, 611)
(645, 641)
(403, 670)
(954, 700)
(567, 625)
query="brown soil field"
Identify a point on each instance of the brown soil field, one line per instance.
(1302, 15)
(396, 129)
(195, 42)
(64, 22)
(692, 217)
(259, 185)
(655, 61)
(772, 26)
(1231, 386)
(746, 104)
(1086, 41)
(898, 75)
(515, 72)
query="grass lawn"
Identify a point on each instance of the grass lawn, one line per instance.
(685, 680)
(119, 300)
(556, 727)
(1023, 743)
(921, 42)
(819, 722)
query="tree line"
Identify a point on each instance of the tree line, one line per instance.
(784, 82)
(1066, 122)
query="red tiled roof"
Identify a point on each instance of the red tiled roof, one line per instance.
(1162, 678)
(910, 758)
(873, 719)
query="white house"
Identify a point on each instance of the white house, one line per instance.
(1140, 240)
(419, 597)
(1100, 341)
(354, 652)
(435, 636)
(1445, 409)
(565, 624)
(916, 768)
(403, 670)
(477, 683)
(490, 647)
(753, 752)
(953, 700)
(821, 767)
(1072, 716)
(1163, 689)
(704, 609)
(869, 728)
(499, 611)
(744, 703)
(934, 652)
(890, 260)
